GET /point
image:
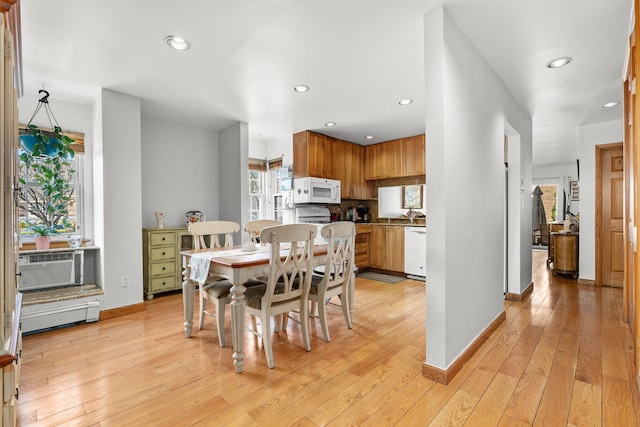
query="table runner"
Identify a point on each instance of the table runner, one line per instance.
(200, 262)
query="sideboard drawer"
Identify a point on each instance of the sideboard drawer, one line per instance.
(160, 254)
(163, 283)
(162, 239)
(163, 268)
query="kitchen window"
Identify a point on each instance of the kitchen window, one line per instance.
(257, 177)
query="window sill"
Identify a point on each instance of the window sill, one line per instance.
(56, 244)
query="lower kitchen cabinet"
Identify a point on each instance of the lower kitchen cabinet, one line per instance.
(386, 247)
(161, 260)
(362, 245)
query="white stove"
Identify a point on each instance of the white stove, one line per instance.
(317, 215)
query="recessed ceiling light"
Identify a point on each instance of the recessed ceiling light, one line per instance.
(368, 137)
(559, 62)
(301, 88)
(610, 104)
(405, 101)
(177, 43)
(330, 124)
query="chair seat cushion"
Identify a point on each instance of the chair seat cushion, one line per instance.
(255, 281)
(222, 288)
(253, 295)
(219, 289)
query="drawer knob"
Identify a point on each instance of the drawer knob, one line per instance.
(164, 253)
(163, 239)
(164, 268)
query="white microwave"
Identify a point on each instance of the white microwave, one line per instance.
(315, 190)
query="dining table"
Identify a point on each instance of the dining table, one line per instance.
(237, 265)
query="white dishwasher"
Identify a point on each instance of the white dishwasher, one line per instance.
(415, 252)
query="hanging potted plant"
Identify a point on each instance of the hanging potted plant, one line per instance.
(46, 163)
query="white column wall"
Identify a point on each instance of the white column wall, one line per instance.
(467, 111)
(590, 136)
(118, 185)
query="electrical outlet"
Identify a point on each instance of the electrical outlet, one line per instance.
(125, 281)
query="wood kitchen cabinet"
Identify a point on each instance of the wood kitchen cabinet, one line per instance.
(358, 187)
(362, 245)
(308, 154)
(325, 157)
(396, 159)
(384, 160)
(386, 247)
(413, 151)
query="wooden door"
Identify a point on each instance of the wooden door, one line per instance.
(611, 234)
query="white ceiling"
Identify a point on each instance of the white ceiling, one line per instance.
(359, 57)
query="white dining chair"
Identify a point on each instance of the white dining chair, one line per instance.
(214, 234)
(288, 282)
(255, 227)
(336, 279)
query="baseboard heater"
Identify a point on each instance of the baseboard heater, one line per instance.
(58, 313)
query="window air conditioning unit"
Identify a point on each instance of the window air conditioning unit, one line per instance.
(40, 271)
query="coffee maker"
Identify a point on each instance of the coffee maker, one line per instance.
(363, 214)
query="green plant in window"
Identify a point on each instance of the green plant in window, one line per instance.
(49, 173)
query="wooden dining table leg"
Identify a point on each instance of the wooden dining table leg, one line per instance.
(238, 310)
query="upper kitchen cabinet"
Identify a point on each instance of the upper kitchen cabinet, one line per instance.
(396, 159)
(325, 157)
(413, 150)
(357, 187)
(309, 154)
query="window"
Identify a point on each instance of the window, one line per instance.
(257, 173)
(34, 198)
(280, 186)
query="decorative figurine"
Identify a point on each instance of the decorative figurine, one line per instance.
(567, 223)
(411, 214)
(160, 219)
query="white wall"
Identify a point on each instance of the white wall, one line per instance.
(118, 187)
(590, 136)
(179, 172)
(281, 148)
(467, 111)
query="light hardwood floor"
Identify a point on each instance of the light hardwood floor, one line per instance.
(562, 357)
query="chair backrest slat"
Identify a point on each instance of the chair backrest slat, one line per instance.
(255, 227)
(288, 278)
(340, 238)
(214, 230)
